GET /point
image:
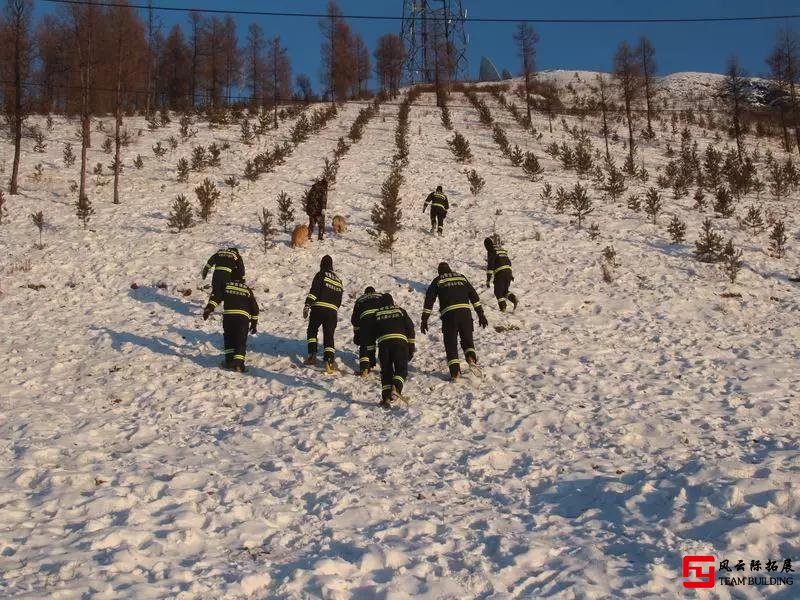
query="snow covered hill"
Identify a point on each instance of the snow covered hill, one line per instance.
(620, 426)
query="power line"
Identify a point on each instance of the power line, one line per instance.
(591, 21)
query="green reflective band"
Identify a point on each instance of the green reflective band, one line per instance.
(392, 336)
(333, 282)
(238, 357)
(325, 305)
(369, 311)
(455, 307)
(229, 351)
(227, 269)
(468, 350)
(236, 311)
(386, 388)
(457, 278)
(400, 379)
(213, 304)
(477, 304)
(411, 341)
(504, 267)
(254, 318)
(364, 359)
(312, 340)
(236, 288)
(437, 205)
(452, 362)
(330, 349)
(426, 311)
(311, 296)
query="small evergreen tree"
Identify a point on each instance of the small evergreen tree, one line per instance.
(708, 247)
(723, 202)
(199, 158)
(731, 261)
(476, 182)
(38, 221)
(583, 158)
(459, 146)
(446, 122)
(173, 142)
(562, 200)
(635, 202)
(159, 150)
(516, 156)
(83, 209)
(547, 192)
(778, 182)
(207, 196)
(300, 130)
(183, 170)
(614, 184)
(3, 209)
(652, 203)
(329, 170)
(250, 171)
(777, 240)
(69, 155)
(532, 167)
(214, 159)
(753, 220)
(247, 134)
(181, 216)
(387, 215)
(285, 211)
(699, 200)
(677, 230)
(107, 145)
(580, 203)
(232, 182)
(341, 148)
(138, 162)
(266, 229)
(40, 145)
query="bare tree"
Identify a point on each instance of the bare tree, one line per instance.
(647, 55)
(602, 89)
(526, 39)
(337, 53)
(305, 91)
(232, 57)
(151, 53)
(784, 63)
(175, 70)
(777, 72)
(389, 58)
(627, 73)
(196, 23)
(734, 90)
(279, 75)
(19, 43)
(254, 73)
(362, 67)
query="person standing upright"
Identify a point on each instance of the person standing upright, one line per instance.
(439, 207)
(321, 309)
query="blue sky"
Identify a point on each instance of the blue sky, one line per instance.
(679, 47)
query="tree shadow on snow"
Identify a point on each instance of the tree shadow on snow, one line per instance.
(149, 295)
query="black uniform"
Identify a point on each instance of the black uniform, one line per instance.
(498, 265)
(393, 331)
(240, 311)
(324, 300)
(316, 204)
(456, 295)
(365, 306)
(439, 207)
(226, 265)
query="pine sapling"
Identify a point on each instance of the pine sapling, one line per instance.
(753, 220)
(708, 247)
(677, 230)
(138, 162)
(699, 200)
(547, 192)
(652, 203)
(614, 183)
(387, 215)
(723, 202)
(777, 240)
(214, 159)
(107, 145)
(562, 200)
(731, 261)
(446, 122)
(199, 158)
(69, 155)
(39, 140)
(232, 182)
(83, 209)
(580, 203)
(3, 209)
(183, 170)
(266, 229)
(459, 146)
(594, 231)
(285, 211)
(159, 150)
(516, 156)
(476, 182)
(38, 172)
(207, 196)
(181, 216)
(634, 202)
(531, 166)
(329, 170)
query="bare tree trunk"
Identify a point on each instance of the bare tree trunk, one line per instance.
(528, 95)
(630, 126)
(149, 86)
(793, 98)
(17, 119)
(787, 142)
(118, 115)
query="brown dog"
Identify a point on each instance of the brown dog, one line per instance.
(339, 224)
(300, 236)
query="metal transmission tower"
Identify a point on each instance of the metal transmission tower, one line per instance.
(435, 40)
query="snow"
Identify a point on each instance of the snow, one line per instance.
(619, 426)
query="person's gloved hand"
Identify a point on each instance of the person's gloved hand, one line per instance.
(482, 321)
(424, 326)
(253, 327)
(206, 314)
(306, 310)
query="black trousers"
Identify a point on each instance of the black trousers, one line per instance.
(437, 218)
(366, 354)
(457, 327)
(218, 282)
(325, 318)
(316, 220)
(393, 356)
(502, 283)
(234, 334)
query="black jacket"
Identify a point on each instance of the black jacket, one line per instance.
(365, 305)
(238, 301)
(326, 291)
(454, 293)
(317, 199)
(390, 323)
(225, 260)
(437, 200)
(496, 262)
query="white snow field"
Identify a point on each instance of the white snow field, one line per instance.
(619, 426)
